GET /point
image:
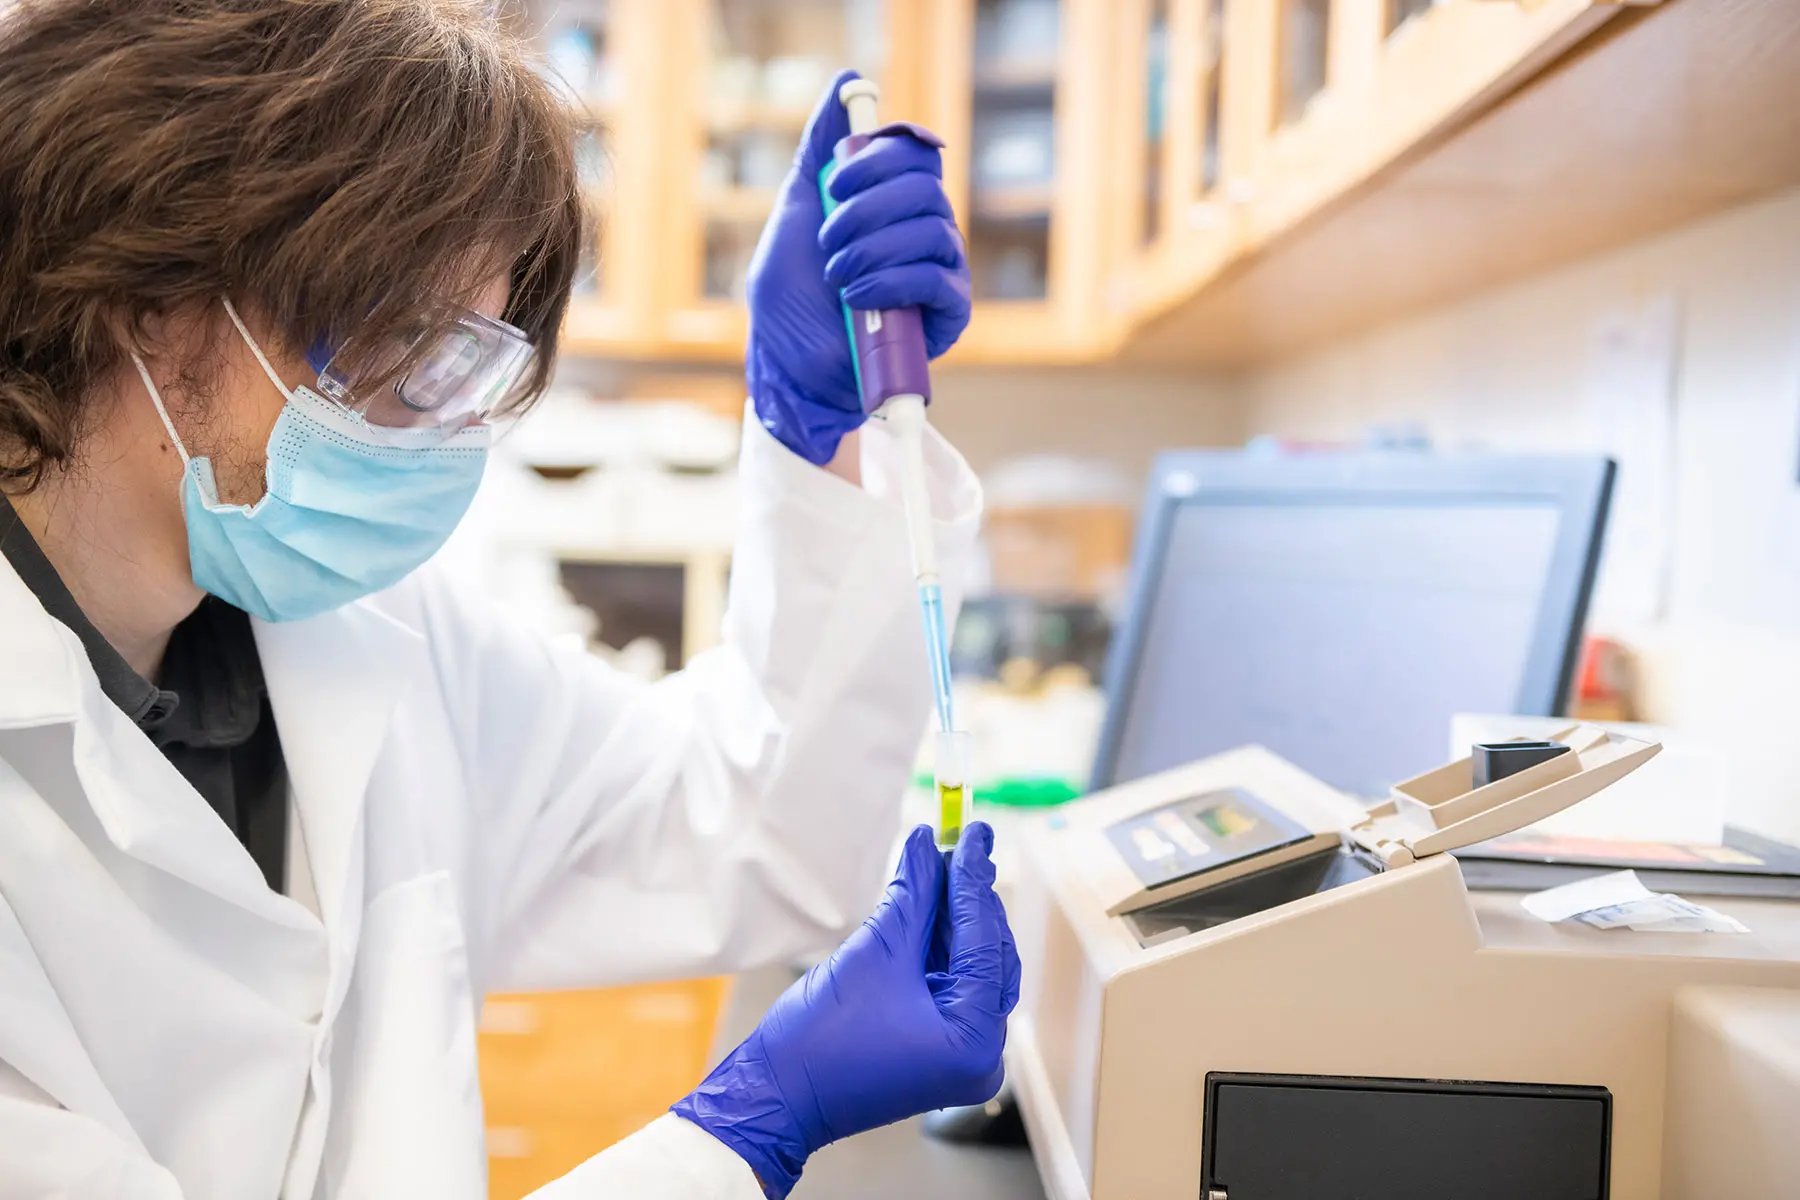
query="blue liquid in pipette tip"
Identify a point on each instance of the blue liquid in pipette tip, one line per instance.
(937, 650)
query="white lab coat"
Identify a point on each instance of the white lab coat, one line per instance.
(477, 811)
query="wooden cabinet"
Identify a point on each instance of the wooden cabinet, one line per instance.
(1178, 181)
(1182, 143)
(746, 76)
(1330, 92)
(709, 98)
(607, 55)
(1020, 90)
(1378, 157)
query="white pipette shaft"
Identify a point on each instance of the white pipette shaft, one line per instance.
(906, 417)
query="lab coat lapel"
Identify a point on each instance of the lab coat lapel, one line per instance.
(144, 805)
(334, 682)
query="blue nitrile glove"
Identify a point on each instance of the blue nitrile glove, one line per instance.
(908, 1015)
(891, 243)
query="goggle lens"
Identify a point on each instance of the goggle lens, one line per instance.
(468, 377)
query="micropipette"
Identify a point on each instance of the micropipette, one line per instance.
(893, 374)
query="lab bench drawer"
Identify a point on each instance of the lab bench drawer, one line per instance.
(566, 1074)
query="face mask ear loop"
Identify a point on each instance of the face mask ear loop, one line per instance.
(156, 399)
(256, 350)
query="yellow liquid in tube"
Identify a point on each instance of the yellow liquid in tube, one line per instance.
(950, 813)
(952, 783)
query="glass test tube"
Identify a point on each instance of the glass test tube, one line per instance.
(953, 789)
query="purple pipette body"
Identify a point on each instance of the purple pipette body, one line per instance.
(890, 342)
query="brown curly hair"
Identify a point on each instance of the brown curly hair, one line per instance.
(345, 169)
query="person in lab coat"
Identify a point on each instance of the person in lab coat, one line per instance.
(278, 805)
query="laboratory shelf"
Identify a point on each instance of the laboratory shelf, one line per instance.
(994, 80)
(1015, 202)
(737, 119)
(738, 204)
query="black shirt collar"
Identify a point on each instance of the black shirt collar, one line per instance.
(211, 665)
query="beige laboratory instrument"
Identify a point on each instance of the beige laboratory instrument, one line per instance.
(1243, 985)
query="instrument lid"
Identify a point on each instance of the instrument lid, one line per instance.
(1445, 810)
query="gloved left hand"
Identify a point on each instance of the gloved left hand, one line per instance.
(891, 243)
(908, 1015)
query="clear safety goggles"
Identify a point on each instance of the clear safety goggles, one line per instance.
(470, 375)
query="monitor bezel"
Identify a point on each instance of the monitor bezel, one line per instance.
(1579, 486)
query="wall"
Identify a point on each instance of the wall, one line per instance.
(1508, 369)
(1124, 417)
(992, 413)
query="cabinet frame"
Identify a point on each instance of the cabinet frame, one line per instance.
(1202, 228)
(1070, 324)
(622, 317)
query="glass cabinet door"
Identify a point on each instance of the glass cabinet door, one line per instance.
(1172, 136)
(1399, 12)
(1304, 54)
(747, 74)
(1156, 120)
(1211, 92)
(768, 62)
(1012, 147)
(1042, 172)
(578, 47)
(602, 55)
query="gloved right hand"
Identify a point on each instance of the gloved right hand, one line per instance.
(892, 243)
(908, 1015)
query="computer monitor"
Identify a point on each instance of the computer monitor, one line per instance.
(1339, 608)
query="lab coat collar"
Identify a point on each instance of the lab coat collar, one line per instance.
(38, 659)
(333, 680)
(142, 803)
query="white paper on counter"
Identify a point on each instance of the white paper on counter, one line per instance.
(1586, 895)
(1619, 900)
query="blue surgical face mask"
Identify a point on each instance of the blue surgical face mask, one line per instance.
(350, 507)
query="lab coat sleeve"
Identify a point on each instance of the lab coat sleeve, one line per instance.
(46, 1150)
(740, 811)
(668, 1159)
